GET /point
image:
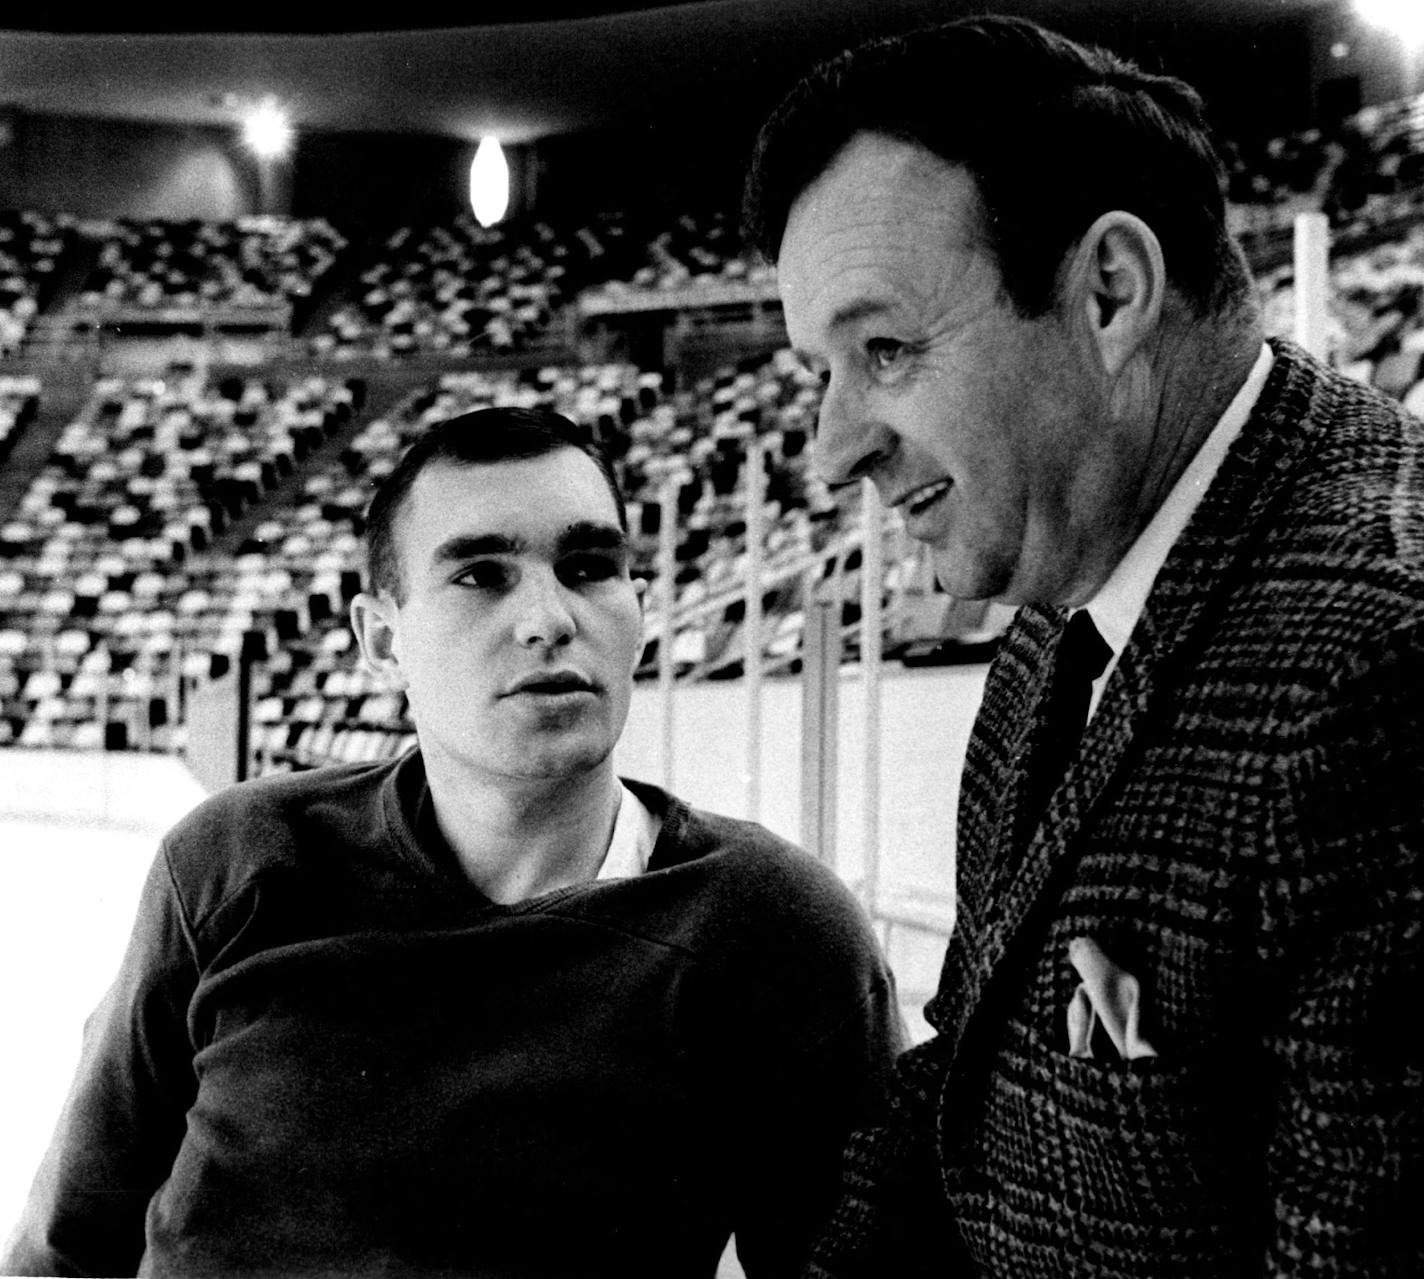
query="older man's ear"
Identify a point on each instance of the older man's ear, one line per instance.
(1119, 279)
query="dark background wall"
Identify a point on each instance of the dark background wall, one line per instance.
(1261, 72)
(105, 168)
(366, 181)
(109, 168)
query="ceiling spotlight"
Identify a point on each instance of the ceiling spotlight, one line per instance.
(489, 182)
(1401, 18)
(267, 131)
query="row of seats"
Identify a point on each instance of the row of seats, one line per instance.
(106, 567)
(462, 289)
(252, 262)
(1376, 314)
(456, 288)
(694, 253)
(19, 398)
(31, 245)
(1367, 171)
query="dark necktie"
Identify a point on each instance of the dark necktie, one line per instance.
(1081, 658)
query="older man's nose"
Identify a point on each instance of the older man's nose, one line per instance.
(848, 444)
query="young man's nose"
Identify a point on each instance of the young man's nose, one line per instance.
(543, 615)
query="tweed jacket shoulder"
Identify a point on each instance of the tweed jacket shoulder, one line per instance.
(1242, 831)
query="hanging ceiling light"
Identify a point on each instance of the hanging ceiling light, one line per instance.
(1401, 18)
(489, 182)
(267, 131)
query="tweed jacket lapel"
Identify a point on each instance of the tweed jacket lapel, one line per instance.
(1004, 886)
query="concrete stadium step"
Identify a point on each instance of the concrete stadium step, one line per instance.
(63, 392)
(385, 388)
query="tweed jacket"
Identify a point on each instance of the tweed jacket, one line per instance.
(1241, 830)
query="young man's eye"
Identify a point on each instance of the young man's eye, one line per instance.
(578, 569)
(489, 575)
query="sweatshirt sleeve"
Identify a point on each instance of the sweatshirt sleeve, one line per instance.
(816, 1032)
(892, 1218)
(125, 1115)
(805, 1114)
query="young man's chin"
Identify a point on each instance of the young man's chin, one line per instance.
(550, 761)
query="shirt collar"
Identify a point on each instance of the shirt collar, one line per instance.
(1119, 602)
(635, 831)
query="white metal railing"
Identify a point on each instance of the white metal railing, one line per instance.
(1312, 282)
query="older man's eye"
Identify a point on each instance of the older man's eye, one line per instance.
(884, 352)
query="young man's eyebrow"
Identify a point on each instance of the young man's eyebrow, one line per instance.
(466, 546)
(588, 535)
(585, 535)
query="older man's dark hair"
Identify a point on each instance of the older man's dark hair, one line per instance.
(1053, 133)
(482, 438)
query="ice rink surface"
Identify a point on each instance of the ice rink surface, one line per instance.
(77, 835)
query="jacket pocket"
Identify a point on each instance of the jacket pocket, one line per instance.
(1105, 1160)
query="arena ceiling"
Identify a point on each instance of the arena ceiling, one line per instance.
(534, 68)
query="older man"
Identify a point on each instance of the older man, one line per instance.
(484, 1010)
(1171, 1022)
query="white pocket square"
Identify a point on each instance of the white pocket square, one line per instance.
(1108, 997)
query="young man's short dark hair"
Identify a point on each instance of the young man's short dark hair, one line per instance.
(473, 439)
(1054, 134)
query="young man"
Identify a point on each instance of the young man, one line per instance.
(1168, 1039)
(485, 1010)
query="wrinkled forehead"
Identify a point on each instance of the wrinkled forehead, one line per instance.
(877, 177)
(886, 222)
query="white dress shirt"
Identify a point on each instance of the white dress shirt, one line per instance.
(1118, 603)
(635, 831)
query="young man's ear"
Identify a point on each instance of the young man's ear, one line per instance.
(640, 589)
(373, 620)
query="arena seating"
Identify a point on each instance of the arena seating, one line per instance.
(253, 262)
(110, 582)
(462, 289)
(691, 263)
(1376, 314)
(1366, 173)
(104, 587)
(19, 397)
(31, 245)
